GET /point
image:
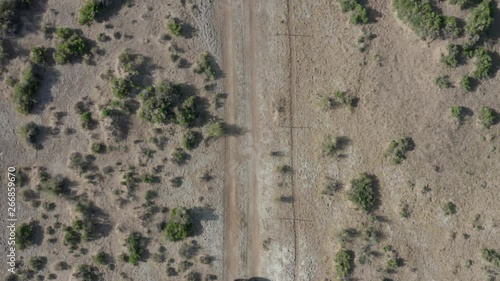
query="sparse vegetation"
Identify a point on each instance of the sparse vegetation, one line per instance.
(491, 256)
(187, 113)
(329, 145)
(363, 191)
(26, 89)
(398, 149)
(179, 226)
(122, 87)
(345, 99)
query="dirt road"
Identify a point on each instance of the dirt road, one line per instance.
(241, 219)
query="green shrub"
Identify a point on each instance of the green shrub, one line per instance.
(204, 66)
(480, 19)
(398, 148)
(392, 264)
(175, 28)
(189, 140)
(451, 28)
(187, 113)
(25, 235)
(26, 89)
(215, 130)
(127, 62)
(71, 237)
(56, 184)
(491, 256)
(37, 55)
(100, 258)
(345, 99)
(86, 120)
(487, 117)
(87, 272)
(449, 208)
(37, 263)
(484, 64)
(88, 12)
(158, 103)
(363, 191)
(451, 59)
(70, 46)
(359, 13)
(135, 245)
(179, 226)
(98, 147)
(348, 5)
(29, 133)
(122, 87)
(343, 263)
(419, 14)
(457, 112)
(179, 155)
(329, 145)
(465, 83)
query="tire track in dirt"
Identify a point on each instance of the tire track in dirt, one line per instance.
(241, 219)
(292, 91)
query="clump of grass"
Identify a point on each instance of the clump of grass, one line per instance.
(362, 191)
(215, 130)
(178, 156)
(204, 66)
(158, 103)
(487, 117)
(179, 226)
(345, 99)
(135, 246)
(451, 59)
(443, 82)
(343, 263)
(466, 83)
(88, 12)
(37, 55)
(86, 120)
(484, 64)
(449, 208)
(25, 235)
(70, 46)
(419, 14)
(398, 148)
(480, 19)
(98, 147)
(331, 187)
(189, 140)
(329, 145)
(26, 89)
(457, 112)
(29, 133)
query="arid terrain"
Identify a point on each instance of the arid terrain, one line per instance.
(251, 139)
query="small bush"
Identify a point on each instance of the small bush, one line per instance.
(480, 19)
(329, 145)
(88, 12)
(29, 133)
(127, 62)
(359, 13)
(343, 263)
(451, 59)
(204, 66)
(86, 120)
(179, 226)
(158, 103)
(449, 208)
(362, 191)
(398, 148)
(392, 264)
(491, 256)
(70, 46)
(487, 117)
(71, 237)
(175, 28)
(187, 113)
(179, 156)
(443, 82)
(345, 99)
(451, 28)
(484, 64)
(37, 263)
(100, 258)
(419, 14)
(122, 87)
(87, 272)
(463, 4)
(189, 140)
(466, 83)
(56, 184)
(25, 235)
(37, 55)
(215, 130)
(98, 147)
(26, 89)
(135, 245)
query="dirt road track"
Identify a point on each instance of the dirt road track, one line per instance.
(241, 219)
